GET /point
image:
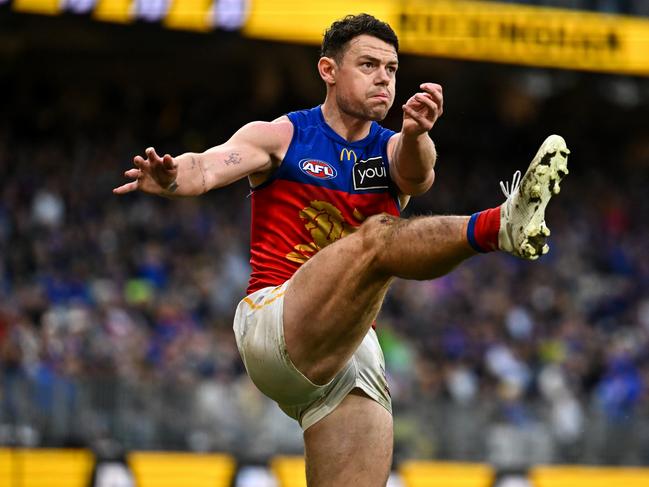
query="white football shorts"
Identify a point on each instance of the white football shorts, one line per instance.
(259, 331)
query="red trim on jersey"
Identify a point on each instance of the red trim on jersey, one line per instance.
(292, 221)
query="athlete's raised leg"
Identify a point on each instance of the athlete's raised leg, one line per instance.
(332, 300)
(351, 446)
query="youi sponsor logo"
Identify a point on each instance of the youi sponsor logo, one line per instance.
(318, 169)
(370, 174)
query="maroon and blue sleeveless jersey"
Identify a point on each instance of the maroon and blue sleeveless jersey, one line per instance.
(324, 188)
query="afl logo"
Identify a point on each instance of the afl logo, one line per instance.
(318, 169)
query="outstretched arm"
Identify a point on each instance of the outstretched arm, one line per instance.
(252, 149)
(412, 151)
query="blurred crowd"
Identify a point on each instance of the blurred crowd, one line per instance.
(115, 312)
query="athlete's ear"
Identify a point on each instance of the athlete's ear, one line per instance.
(328, 68)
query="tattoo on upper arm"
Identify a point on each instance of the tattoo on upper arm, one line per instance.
(232, 159)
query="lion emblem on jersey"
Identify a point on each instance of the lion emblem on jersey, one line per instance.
(326, 224)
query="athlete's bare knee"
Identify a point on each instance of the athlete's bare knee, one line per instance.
(382, 220)
(376, 229)
(377, 232)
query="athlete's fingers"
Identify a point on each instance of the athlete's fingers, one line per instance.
(126, 188)
(152, 156)
(169, 163)
(138, 161)
(420, 118)
(436, 93)
(412, 99)
(413, 102)
(433, 89)
(423, 105)
(412, 112)
(427, 101)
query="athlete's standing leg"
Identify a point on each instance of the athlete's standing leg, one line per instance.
(350, 446)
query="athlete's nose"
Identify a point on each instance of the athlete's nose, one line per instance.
(382, 77)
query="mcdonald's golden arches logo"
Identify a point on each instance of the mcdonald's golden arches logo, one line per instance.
(348, 155)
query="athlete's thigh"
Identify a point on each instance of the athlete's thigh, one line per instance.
(350, 446)
(330, 303)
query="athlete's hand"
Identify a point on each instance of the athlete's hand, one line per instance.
(155, 174)
(423, 109)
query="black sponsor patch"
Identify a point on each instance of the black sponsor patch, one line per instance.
(371, 174)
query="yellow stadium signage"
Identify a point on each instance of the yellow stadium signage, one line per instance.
(47, 7)
(305, 21)
(199, 15)
(525, 35)
(486, 31)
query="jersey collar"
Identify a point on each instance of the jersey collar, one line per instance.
(374, 128)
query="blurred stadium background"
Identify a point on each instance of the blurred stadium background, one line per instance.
(115, 313)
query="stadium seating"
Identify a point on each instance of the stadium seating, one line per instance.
(45, 468)
(574, 476)
(289, 470)
(446, 474)
(167, 469)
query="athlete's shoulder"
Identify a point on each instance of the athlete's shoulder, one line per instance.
(271, 136)
(283, 127)
(305, 117)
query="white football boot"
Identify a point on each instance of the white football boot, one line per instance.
(522, 216)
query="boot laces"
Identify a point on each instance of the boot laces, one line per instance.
(516, 182)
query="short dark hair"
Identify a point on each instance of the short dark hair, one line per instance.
(344, 30)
